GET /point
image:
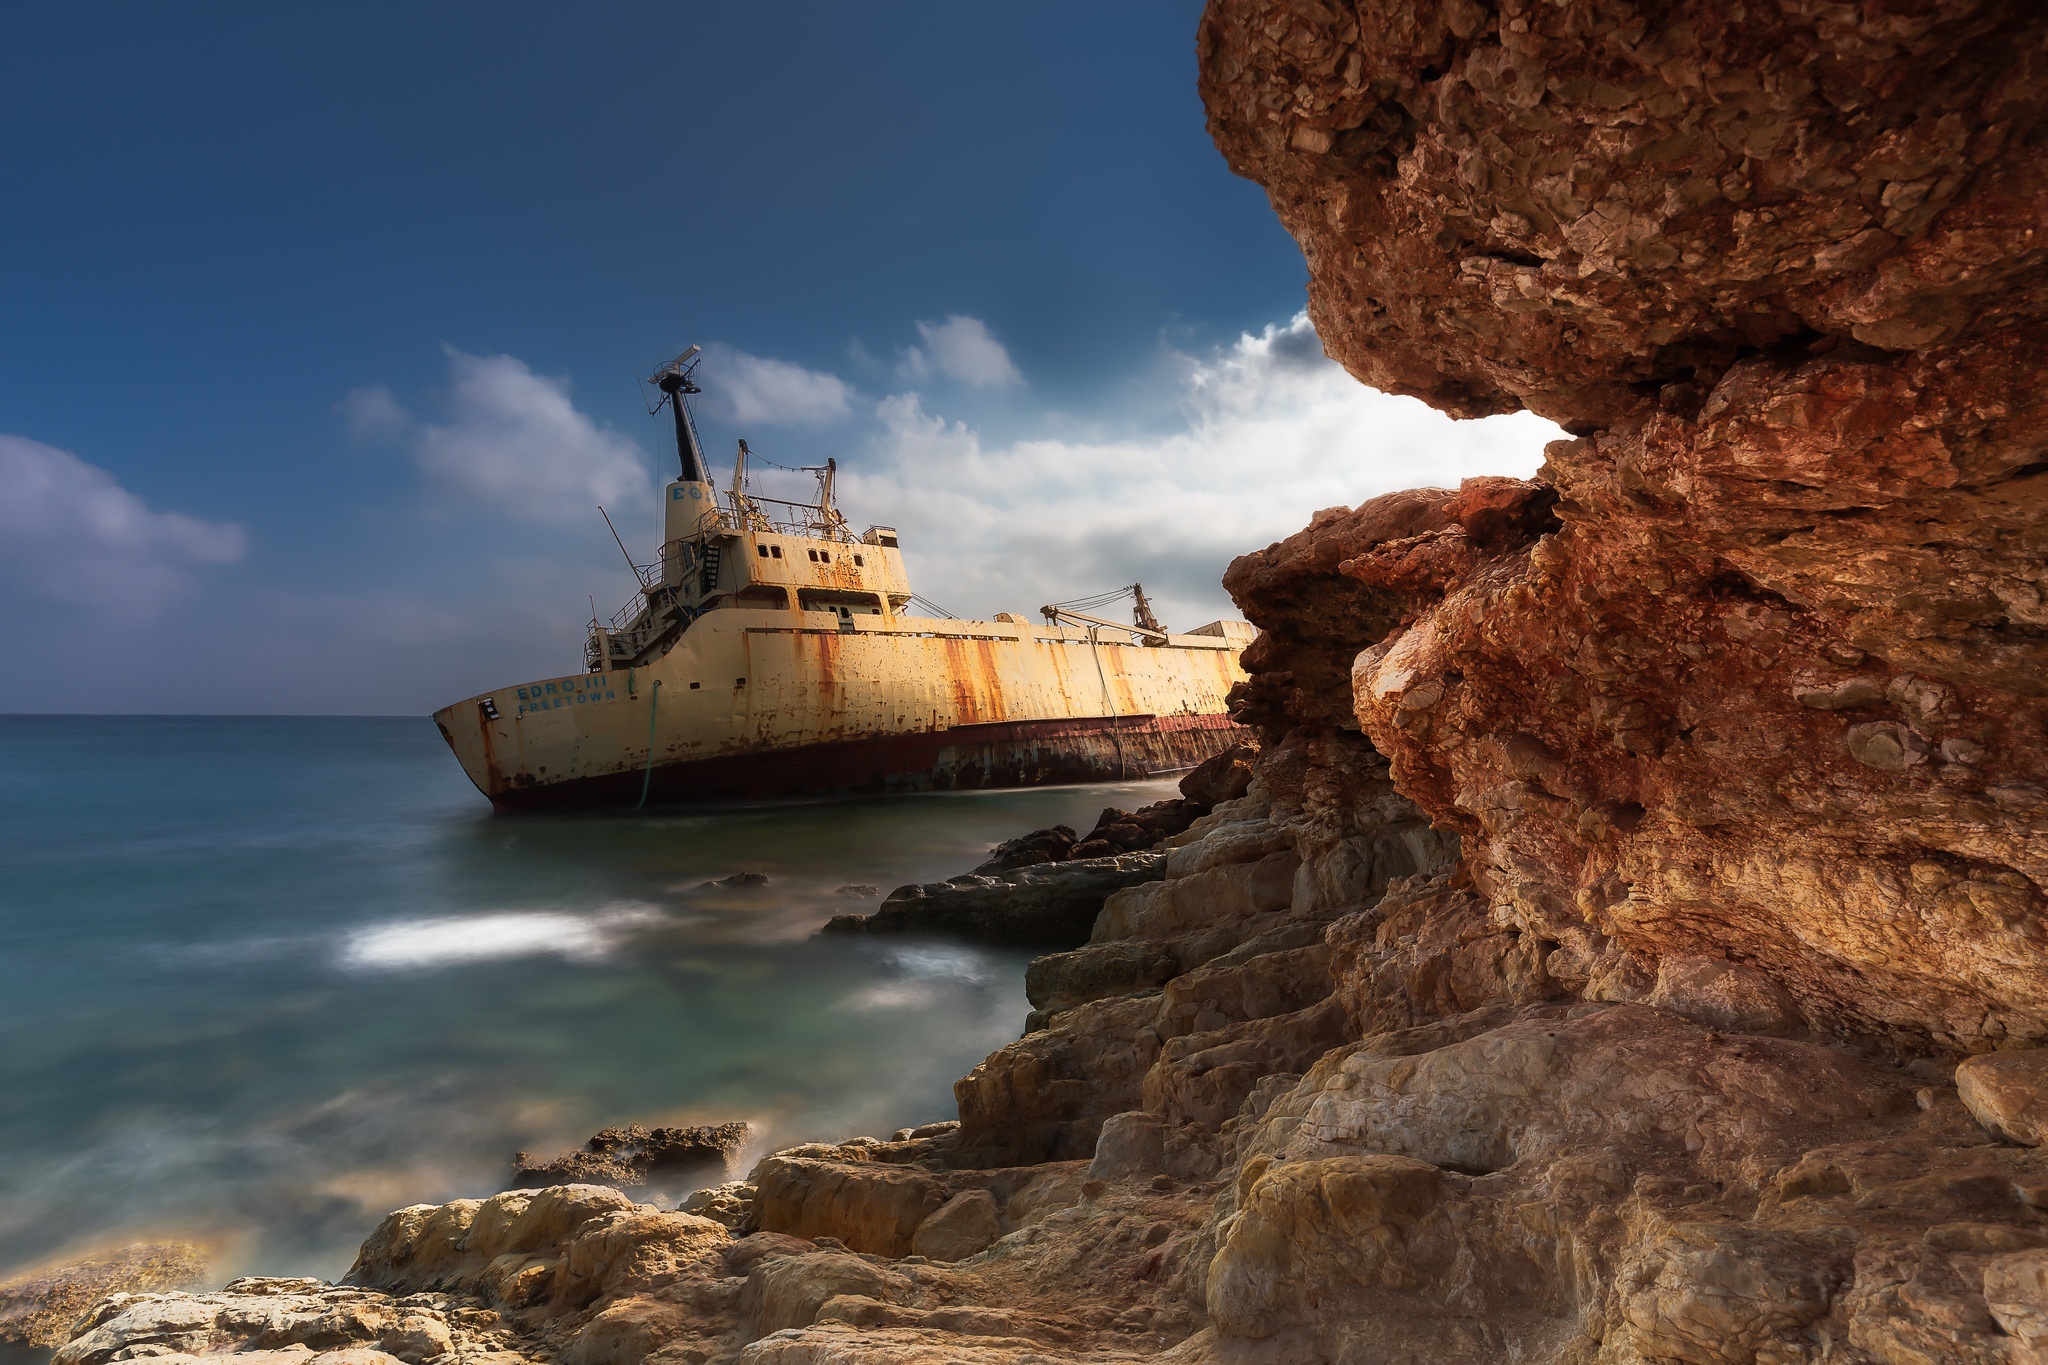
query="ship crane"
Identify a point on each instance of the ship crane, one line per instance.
(1146, 626)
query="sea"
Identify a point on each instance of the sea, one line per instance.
(264, 979)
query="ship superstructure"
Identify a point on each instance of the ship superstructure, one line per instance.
(771, 651)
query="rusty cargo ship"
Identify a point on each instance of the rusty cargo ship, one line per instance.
(773, 652)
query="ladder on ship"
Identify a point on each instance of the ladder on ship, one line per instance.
(710, 578)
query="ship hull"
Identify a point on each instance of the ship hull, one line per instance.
(1008, 754)
(757, 704)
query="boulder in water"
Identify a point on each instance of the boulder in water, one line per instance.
(629, 1158)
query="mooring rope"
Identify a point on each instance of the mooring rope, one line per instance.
(647, 776)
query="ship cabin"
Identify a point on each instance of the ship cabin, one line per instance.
(733, 548)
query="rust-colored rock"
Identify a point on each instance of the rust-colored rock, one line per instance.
(1758, 669)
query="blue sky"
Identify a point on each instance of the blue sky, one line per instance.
(318, 325)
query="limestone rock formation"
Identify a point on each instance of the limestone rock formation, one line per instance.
(286, 1322)
(1758, 668)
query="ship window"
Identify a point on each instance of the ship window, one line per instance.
(775, 550)
(761, 550)
(695, 686)
(824, 556)
(859, 563)
(739, 682)
(814, 556)
(837, 600)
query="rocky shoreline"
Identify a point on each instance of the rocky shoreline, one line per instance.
(1631, 945)
(1306, 1076)
(1248, 1114)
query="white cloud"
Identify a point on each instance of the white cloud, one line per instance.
(960, 348)
(753, 390)
(1270, 432)
(373, 414)
(69, 532)
(515, 443)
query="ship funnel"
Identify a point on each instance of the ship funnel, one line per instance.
(675, 380)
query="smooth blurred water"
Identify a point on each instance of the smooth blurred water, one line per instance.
(263, 979)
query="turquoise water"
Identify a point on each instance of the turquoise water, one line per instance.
(263, 979)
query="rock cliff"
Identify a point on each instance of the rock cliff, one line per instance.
(1630, 947)
(1757, 672)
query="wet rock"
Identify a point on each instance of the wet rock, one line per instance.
(39, 1309)
(1026, 850)
(2007, 1092)
(632, 1157)
(857, 890)
(1223, 778)
(1115, 831)
(1051, 905)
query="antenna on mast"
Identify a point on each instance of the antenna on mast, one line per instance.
(675, 380)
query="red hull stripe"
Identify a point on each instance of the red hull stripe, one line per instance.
(1000, 754)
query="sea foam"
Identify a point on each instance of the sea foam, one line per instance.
(457, 939)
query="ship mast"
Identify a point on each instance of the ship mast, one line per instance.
(675, 380)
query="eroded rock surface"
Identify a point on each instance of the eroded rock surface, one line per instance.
(1757, 667)
(1358, 1121)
